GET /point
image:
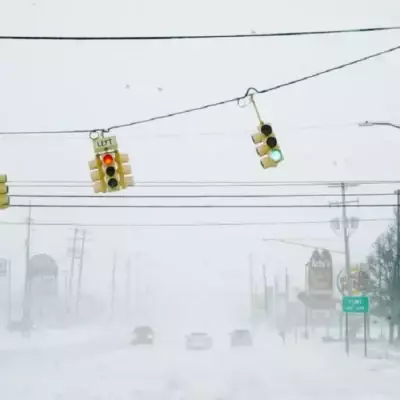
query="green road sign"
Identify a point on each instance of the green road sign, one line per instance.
(355, 304)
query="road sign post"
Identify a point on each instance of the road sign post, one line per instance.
(3, 267)
(357, 304)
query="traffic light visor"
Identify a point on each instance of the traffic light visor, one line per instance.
(262, 150)
(258, 138)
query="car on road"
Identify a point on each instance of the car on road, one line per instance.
(142, 335)
(198, 341)
(241, 338)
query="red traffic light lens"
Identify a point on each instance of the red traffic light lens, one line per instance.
(108, 159)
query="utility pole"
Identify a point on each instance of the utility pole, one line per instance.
(113, 284)
(72, 269)
(344, 224)
(128, 285)
(82, 252)
(306, 312)
(346, 242)
(251, 286)
(27, 300)
(9, 293)
(286, 299)
(266, 306)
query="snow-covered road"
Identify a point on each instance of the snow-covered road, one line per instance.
(103, 366)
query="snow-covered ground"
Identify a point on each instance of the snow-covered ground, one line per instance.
(100, 365)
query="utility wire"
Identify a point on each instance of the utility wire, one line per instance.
(301, 245)
(216, 104)
(196, 196)
(178, 225)
(192, 37)
(201, 184)
(264, 91)
(205, 206)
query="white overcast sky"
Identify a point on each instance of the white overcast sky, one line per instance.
(69, 85)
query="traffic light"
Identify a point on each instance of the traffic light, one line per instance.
(267, 146)
(110, 172)
(4, 198)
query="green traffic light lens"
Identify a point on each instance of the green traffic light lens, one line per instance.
(112, 183)
(275, 155)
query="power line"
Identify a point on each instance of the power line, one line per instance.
(264, 91)
(202, 184)
(301, 245)
(197, 37)
(180, 134)
(196, 196)
(216, 104)
(179, 225)
(204, 206)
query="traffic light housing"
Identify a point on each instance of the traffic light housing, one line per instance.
(267, 146)
(4, 197)
(110, 172)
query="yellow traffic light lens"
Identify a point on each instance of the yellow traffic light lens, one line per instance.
(110, 171)
(271, 142)
(275, 155)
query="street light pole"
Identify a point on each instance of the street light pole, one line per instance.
(395, 285)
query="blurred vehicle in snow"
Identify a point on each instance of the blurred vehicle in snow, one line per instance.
(142, 335)
(241, 337)
(198, 341)
(25, 326)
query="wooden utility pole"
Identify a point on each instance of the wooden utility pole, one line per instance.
(251, 284)
(72, 269)
(82, 252)
(112, 302)
(128, 286)
(266, 305)
(27, 300)
(9, 292)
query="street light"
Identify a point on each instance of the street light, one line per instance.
(396, 270)
(374, 123)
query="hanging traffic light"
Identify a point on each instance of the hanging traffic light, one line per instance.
(267, 146)
(110, 170)
(4, 198)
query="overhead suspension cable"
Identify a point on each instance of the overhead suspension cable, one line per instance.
(204, 206)
(194, 37)
(209, 105)
(178, 225)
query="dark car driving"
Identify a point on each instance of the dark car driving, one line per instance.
(241, 337)
(142, 335)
